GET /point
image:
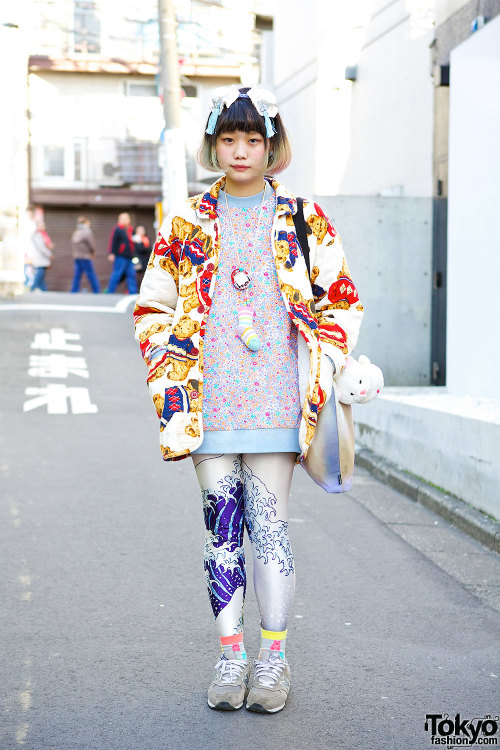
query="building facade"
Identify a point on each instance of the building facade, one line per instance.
(355, 89)
(95, 117)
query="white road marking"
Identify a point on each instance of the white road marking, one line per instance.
(55, 398)
(57, 366)
(123, 304)
(58, 339)
(22, 733)
(121, 307)
(25, 697)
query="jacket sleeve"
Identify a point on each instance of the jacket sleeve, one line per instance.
(155, 307)
(115, 242)
(339, 311)
(120, 242)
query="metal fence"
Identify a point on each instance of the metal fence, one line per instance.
(85, 163)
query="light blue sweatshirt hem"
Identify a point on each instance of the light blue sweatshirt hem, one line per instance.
(264, 440)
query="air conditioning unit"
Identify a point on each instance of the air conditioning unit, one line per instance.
(109, 169)
(110, 175)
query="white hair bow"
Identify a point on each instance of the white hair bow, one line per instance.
(263, 100)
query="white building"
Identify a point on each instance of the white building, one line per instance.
(363, 149)
(95, 116)
(405, 159)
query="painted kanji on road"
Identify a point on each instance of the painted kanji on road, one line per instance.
(57, 366)
(57, 338)
(56, 396)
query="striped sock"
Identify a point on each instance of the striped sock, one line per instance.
(273, 641)
(232, 647)
(245, 328)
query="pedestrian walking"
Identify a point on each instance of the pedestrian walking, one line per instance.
(142, 250)
(241, 345)
(29, 229)
(84, 250)
(121, 252)
(42, 247)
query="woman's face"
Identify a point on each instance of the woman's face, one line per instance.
(243, 157)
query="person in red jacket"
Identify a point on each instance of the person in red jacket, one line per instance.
(142, 250)
(121, 252)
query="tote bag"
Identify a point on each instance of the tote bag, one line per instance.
(330, 458)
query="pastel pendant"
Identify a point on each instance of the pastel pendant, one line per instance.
(245, 328)
(240, 279)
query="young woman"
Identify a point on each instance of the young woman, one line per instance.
(241, 346)
(42, 256)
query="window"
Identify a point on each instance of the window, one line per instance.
(53, 161)
(62, 165)
(134, 88)
(77, 162)
(87, 27)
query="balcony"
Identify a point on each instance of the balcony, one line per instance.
(103, 164)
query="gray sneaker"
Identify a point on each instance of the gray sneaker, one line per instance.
(227, 691)
(270, 686)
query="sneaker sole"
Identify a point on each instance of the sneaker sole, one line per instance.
(259, 709)
(224, 706)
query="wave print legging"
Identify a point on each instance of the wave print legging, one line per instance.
(252, 490)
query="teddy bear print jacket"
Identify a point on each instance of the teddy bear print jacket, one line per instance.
(174, 303)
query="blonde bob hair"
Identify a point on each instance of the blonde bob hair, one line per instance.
(242, 115)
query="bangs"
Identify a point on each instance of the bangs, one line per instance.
(241, 115)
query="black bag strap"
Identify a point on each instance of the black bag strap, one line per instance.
(301, 232)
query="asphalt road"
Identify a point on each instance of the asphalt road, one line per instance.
(107, 637)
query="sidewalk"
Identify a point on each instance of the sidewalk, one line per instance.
(465, 517)
(450, 442)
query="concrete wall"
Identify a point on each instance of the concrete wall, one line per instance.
(387, 242)
(390, 148)
(370, 137)
(473, 351)
(453, 442)
(364, 150)
(313, 45)
(447, 8)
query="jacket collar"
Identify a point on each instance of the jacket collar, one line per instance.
(205, 204)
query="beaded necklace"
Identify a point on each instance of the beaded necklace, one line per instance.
(242, 282)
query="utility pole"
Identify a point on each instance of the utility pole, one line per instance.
(174, 182)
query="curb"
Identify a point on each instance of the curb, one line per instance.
(454, 510)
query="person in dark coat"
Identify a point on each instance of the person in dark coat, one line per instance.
(121, 253)
(84, 249)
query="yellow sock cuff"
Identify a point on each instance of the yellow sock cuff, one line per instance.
(273, 635)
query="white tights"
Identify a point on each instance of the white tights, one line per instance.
(250, 489)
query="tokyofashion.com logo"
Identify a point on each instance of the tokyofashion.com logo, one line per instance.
(460, 732)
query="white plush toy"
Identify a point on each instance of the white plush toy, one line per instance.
(360, 381)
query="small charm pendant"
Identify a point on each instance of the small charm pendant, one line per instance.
(246, 331)
(240, 279)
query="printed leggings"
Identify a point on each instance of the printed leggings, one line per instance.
(250, 489)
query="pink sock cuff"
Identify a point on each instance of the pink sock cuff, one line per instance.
(227, 640)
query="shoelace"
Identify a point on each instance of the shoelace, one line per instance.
(269, 672)
(230, 670)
